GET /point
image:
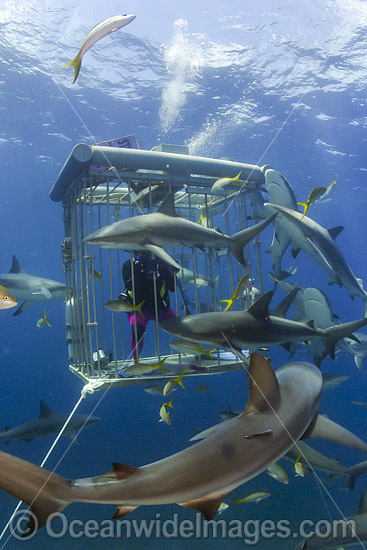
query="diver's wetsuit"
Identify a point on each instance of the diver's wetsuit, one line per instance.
(144, 269)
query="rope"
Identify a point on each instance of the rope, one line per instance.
(89, 388)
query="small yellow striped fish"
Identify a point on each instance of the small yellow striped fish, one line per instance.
(192, 346)
(241, 285)
(144, 368)
(254, 497)
(171, 383)
(276, 472)
(299, 468)
(43, 321)
(120, 306)
(225, 181)
(163, 413)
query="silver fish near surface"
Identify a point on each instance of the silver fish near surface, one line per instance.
(99, 31)
(282, 408)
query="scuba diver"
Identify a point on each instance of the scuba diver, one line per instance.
(146, 268)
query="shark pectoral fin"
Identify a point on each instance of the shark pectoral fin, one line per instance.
(335, 231)
(264, 387)
(208, 505)
(295, 251)
(362, 505)
(122, 471)
(286, 346)
(122, 511)
(162, 254)
(46, 293)
(24, 306)
(324, 428)
(358, 359)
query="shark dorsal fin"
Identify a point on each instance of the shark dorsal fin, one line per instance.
(261, 307)
(6, 429)
(15, 266)
(284, 305)
(264, 387)
(168, 206)
(335, 231)
(45, 410)
(311, 323)
(122, 471)
(362, 504)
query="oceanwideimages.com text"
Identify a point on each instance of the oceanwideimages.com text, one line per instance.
(250, 531)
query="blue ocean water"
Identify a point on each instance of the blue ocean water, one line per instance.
(272, 83)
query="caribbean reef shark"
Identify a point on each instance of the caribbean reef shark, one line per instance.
(254, 328)
(165, 229)
(48, 423)
(352, 534)
(314, 461)
(282, 408)
(319, 243)
(280, 193)
(30, 288)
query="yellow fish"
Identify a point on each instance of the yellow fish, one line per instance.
(299, 468)
(164, 414)
(171, 383)
(224, 181)
(192, 346)
(144, 368)
(315, 195)
(241, 285)
(119, 306)
(97, 275)
(254, 497)
(276, 472)
(43, 321)
(223, 507)
(99, 31)
(7, 300)
(203, 219)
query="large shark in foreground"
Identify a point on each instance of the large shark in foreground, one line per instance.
(282, 408)
(48, 423)
(352, 534)
(254, 328)
(165, 229)
(30, 288)
(319, 243)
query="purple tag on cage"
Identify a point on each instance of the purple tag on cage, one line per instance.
(126, 142)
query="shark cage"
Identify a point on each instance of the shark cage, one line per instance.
(114, 181)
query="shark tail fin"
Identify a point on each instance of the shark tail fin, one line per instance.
(76, 63)
(36, 486)
(333, 334)
(240, 239)
(354, 472)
